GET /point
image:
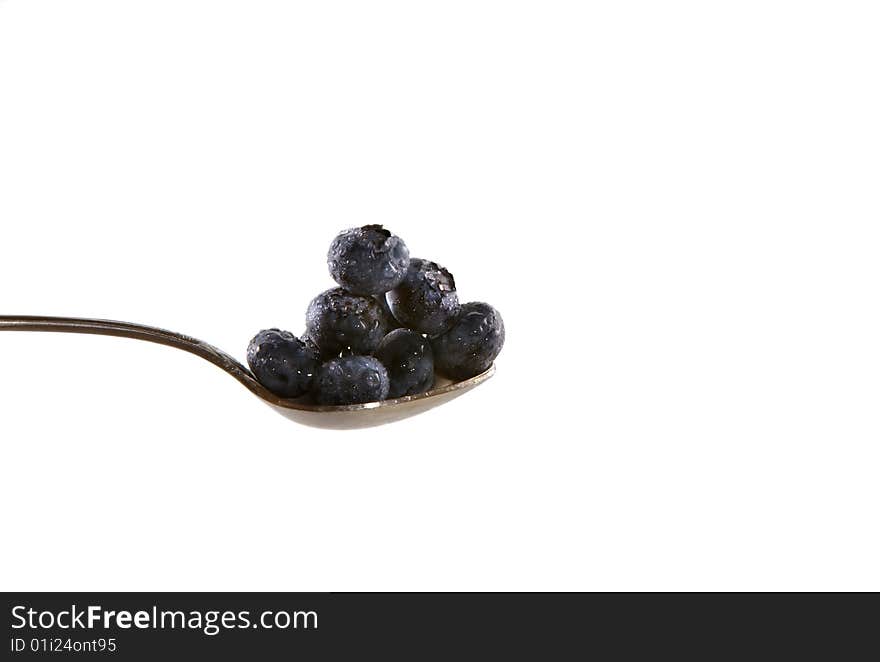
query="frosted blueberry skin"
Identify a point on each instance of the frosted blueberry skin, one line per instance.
(339, 323)
(409, 359)
(282, 363)
(368, 260)
(472, 344)
(351, 380)
(426, 300)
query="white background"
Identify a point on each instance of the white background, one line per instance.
(674, 205)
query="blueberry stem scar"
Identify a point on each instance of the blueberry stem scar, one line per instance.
(211, 354)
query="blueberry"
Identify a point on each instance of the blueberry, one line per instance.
(368, 260)
(350, 380)
(282, 363)
(408, 357)
(343, 323)
(426, 300)
(470, 346)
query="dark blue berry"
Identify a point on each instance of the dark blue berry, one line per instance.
(426, 300)
(410, 362)
(351, 380)
(282, 363)
(339, 322)
(472, 344)
(368, 260)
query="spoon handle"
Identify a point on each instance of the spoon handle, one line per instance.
(139, 332)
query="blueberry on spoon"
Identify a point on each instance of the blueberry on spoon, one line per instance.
(339, 322)
(368, 260)
(426, 300)
(408, 357)
(472, 344)
(351, 380)
(282, 363)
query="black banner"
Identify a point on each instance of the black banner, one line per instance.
(269, 626)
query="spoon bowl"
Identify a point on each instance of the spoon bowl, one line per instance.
(300, 410)
(370, 414)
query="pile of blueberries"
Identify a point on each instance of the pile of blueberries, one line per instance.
(382, 333)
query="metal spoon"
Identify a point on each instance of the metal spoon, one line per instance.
(334, 417)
